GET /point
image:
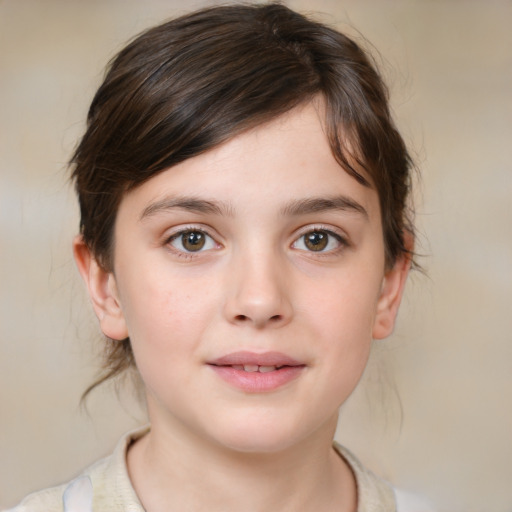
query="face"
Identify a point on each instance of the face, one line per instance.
(251, 280)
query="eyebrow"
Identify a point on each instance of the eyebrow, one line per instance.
(192, 204)
(321, 204)
(294, 208)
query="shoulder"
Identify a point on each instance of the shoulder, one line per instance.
(374, 494)
(409, 502)
(74, 496)
(47, 500)
(106, 484)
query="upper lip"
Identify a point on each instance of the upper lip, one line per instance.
(244, 357)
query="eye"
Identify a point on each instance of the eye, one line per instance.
(192, 240)
(319, 240)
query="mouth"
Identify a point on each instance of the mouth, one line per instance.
(256, 368)
(257, 373)
(252, 361)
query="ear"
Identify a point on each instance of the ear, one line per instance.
(391, 293)
(102, 289)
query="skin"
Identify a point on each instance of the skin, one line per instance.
(257, 286)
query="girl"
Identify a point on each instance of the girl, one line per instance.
(244, 236)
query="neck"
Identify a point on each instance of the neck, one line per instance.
(171, 471)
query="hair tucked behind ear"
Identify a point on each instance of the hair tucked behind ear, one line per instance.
(188, 85)
(118, 357)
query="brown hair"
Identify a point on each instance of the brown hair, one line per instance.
(184, 87)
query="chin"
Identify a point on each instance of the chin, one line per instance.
(263, 437)
(258, 444)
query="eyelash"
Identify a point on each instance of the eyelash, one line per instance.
(341, 241)
(184, 253)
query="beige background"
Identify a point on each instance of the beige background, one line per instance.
(434, 413)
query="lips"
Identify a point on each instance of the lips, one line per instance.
(245, 358)
(256, 373)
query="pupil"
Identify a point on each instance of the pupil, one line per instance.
(193, 240)
(316, 241)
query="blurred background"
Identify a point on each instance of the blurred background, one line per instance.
(433, 413)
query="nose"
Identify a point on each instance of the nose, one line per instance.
(259, 292)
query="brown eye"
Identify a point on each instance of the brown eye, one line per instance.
(316, 240)
(319, 240)
(192, 241)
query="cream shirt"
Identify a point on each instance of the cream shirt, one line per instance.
(113, 492)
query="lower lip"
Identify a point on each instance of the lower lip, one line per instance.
(258, 382)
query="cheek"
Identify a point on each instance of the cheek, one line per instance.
(343, 317)
(165, 314)
(345, 306)
(163, 329)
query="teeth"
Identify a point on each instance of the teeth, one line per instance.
(254, 368)
(264, 369)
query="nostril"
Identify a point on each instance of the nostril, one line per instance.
(245, 318)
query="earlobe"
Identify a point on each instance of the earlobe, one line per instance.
(102, 289)
(390, 297)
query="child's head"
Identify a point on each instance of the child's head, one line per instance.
(189, 85)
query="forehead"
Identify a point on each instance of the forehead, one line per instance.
(264, 168)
